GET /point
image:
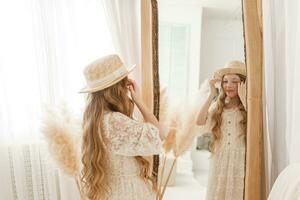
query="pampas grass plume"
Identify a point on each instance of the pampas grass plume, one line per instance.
(61, 131)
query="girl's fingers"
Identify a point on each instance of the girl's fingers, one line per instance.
(130, 88)
(132, 83)
(214, 81)
(217, 77)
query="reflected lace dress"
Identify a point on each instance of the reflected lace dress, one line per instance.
(126, 138)
(227, 164)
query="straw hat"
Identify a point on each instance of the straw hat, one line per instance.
(232, 67)
(103, 73)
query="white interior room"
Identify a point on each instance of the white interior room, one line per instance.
(45, 45)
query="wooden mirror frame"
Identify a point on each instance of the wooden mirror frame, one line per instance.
(255, 186)
(155, 74)
(149, 61)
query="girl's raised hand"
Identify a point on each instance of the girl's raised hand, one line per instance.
(134, 90)
(212, 83)
(242, 91)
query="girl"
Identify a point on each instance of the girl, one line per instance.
(113, 142)
(226, 119)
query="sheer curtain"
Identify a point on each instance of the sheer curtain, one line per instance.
(282, 79)
(44, 47)
(123, 17)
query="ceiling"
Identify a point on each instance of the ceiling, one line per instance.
(214, 8)
(222, 9)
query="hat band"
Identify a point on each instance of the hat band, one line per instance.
(107, 79)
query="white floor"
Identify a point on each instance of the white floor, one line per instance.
(202, 177)
(188, 187)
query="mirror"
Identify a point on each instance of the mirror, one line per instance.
(196, 38)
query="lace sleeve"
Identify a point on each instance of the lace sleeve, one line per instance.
(207, 127)
(129, 137)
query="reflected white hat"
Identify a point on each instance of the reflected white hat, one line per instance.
(232, 67)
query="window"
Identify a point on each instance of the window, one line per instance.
(174, 45)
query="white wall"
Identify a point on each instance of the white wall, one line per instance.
(221, 41)
(190, 13)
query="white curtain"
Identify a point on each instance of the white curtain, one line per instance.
(44, 47)
(281, 20)
(123, 18)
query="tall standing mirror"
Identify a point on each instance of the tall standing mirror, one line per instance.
(196, 39)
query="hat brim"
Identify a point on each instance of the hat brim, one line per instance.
(102, 87)
(221, 72)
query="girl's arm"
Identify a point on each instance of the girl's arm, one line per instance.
(202, 116)
(147, 114)
(242, 91)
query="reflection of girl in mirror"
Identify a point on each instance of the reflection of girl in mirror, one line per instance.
(226, 119)
(113, 142)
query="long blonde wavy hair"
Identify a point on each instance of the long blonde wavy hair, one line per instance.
(94, 185)
(217, 117)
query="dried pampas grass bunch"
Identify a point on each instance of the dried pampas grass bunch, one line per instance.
(181, 122)
(179, 137)
(164, 111)
(62, 133)
(184, 132)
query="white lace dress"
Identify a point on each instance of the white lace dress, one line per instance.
(227, 164)
(126, 138)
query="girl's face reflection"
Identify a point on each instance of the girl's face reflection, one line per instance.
(230, 84)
